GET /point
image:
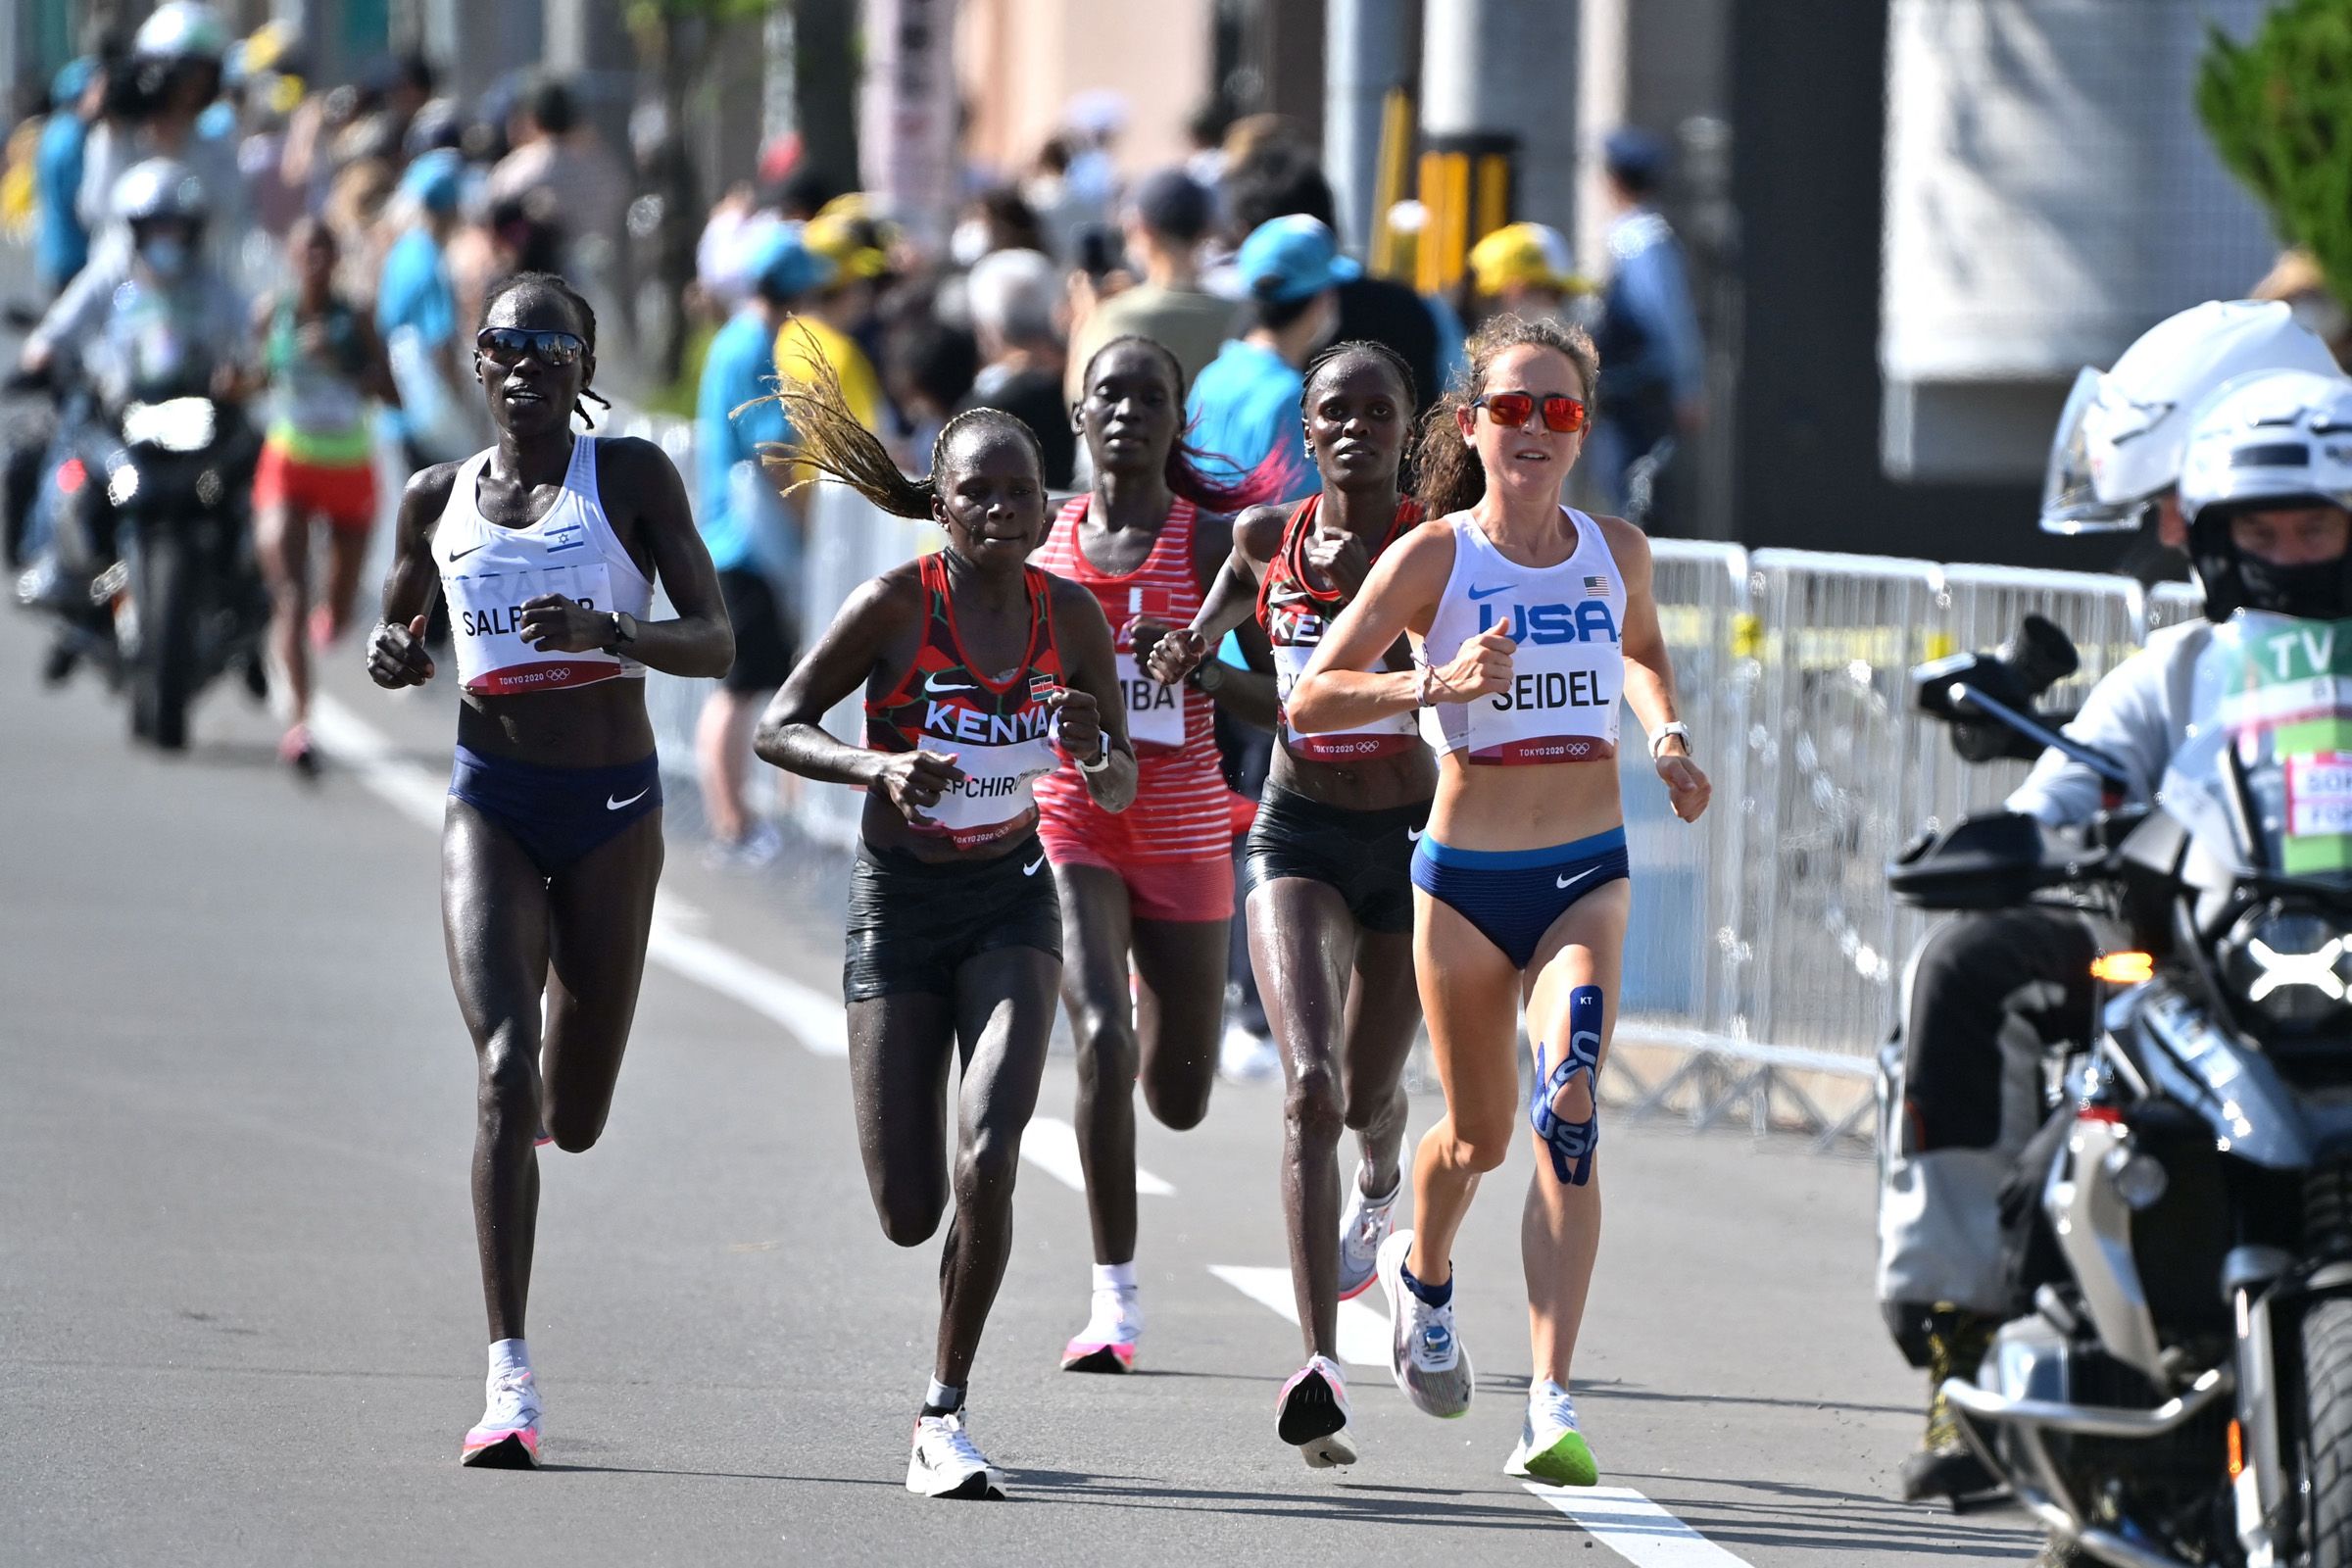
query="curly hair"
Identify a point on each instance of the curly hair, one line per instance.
(1184, 473)
(1451, 478)
(828, 439)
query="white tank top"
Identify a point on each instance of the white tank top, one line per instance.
(488, 572)
(1568, 672)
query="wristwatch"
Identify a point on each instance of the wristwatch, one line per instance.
(1099, 763)
(1667, 732)
(624, 630)
(1209, 675)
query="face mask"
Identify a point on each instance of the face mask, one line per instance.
(2314, 590)
(167, 256)
(969, 242)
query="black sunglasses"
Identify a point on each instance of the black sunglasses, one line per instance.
(511, 345)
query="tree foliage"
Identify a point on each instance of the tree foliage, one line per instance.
(2278, 108)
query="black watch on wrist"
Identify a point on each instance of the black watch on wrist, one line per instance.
(1209, 675)
(624, 630)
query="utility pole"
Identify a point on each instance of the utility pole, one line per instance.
(1363, 58)
(1498, 122)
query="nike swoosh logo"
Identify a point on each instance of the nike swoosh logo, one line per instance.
(936, 689)
(1489, 593)
(461, 555)
(1294, 597)
(611, 804)
(1031, 868)
(1414, 833)
(1571, 881)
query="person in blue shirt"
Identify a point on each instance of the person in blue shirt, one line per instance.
(61, 244)
(1652, 366)
(416, 317)
(1243, 406)
(749, 533)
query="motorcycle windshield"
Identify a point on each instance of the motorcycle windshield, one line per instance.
(2274, 694)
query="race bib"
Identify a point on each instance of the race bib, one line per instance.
(486, 615)
(1382, 737)
(1155, 712)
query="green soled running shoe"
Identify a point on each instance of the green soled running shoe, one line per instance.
(1550, 1448)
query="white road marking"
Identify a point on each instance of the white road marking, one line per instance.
(812, 1017)
(1363, 1332)
(1636, 1528)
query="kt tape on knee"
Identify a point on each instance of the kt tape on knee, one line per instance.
(1571, 1142)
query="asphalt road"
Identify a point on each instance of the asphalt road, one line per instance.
(240, 1322)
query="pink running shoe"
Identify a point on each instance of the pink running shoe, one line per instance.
(1311, 1415)
(508, 1436)
(1107, 1341)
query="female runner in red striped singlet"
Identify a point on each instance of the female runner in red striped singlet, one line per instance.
(980, 673)
(1157, 880)
(1327, 874)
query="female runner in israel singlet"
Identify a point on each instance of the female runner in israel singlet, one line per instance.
(981, 674)
(1328, 864)
(1155, 882)
(545, 548)
(1533, 623)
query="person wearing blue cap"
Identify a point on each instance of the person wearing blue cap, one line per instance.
(62, 244)
(1652, 379)
(1243, 406)
(416, 315)
(751, 533)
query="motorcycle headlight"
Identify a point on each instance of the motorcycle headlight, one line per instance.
(180, 424)
(2289, 966)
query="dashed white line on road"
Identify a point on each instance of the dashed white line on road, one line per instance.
(1363, 1332)
(1636, 1528)
(817, 1021)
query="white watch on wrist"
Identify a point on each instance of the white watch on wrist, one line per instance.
(1100, 764)
(1667, 732)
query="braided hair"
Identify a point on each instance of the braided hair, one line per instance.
(1361, 348)
(1451, 476)
(1184, 474)
(574, 301)
(829, 440)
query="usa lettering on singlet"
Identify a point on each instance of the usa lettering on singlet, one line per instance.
(1292, 607)
(1567, 664)
(488, 573)
(1000, 732)
(1159, 718)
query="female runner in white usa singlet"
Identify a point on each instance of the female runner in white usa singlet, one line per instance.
(1531, 622)
(545, 548)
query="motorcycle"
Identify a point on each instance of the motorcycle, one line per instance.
(153, 581)
(2176, 1386)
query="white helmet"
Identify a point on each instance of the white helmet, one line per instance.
(161, 187)
(182, 29)
(2273, 439)
(2119, 440)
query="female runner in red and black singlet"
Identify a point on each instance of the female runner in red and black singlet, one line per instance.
(981, 674)
(1327, 869)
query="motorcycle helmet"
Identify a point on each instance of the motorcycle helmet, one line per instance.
(160, 189)
(2118, 443)
(2271, 441)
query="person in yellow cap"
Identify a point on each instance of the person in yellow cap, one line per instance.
(824, 327)
(1525, 270)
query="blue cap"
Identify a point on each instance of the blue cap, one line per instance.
(1287, 259)
(785, 268)
(1633, 155)
(70, 79)
(435, 181)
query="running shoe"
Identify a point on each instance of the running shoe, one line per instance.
(1363, 1226)
(945, 1463)
(1246, 1058)
(508, 1436)
(1312, 1416)
(1107, 1341)
(1551, 1450)
(296, 751)
(1429, 1361)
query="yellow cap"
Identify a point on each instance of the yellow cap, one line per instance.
(1525, 256)
(847, 241)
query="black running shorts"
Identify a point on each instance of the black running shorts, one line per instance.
(762, 636)
(912, 923)
(1367, 856)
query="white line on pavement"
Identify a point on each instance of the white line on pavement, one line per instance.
(808, 1014)
(1363, 1332)
(1636, 1528)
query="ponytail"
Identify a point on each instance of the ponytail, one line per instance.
(828, 440)
(1451, 476)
